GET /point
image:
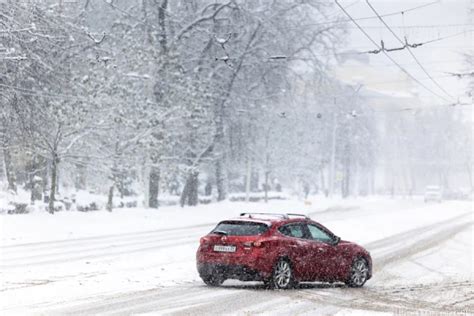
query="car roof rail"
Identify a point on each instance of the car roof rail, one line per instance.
(297, 215)
(255, 215)
(277, 215)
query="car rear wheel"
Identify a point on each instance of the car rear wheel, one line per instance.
(213, 280)
(359, 273)
(282, 276)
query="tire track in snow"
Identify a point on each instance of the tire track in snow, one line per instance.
(126, 304)
(372, 300)
(417, 240)
(98, 247)
(124, 236)
(96, 254)
(102, 245)
(387, 241)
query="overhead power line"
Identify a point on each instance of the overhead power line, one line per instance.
(448, 36)
(388, 56)
(409, 50)
(416, 109)
(373, 17)
(393, 13)
(425, 26)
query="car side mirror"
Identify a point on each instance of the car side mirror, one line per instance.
(337, 240)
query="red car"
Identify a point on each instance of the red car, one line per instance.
(280, 250)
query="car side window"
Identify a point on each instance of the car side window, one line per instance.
(318, 234)
(292, 230)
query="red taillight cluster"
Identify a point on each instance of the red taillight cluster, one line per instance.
(204, 244)
(256, 244)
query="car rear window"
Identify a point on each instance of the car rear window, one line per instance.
(241, 228)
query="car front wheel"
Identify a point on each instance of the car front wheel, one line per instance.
(282, 276)
(359, 273)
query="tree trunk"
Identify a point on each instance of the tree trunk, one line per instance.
(193, 189)
(267, 169)
(254, 180)
(208, 188)
(122, 185)
(469, 172)
(35, 180)
(153, 187)
(80, 180)
(163, 6)
(347, 173)
(45, 181)
(11, 178)
(445, 177)
(220, 181)
(323, 182)
(189, 196)
(52, 193)
(332, 170)
(371, 181)
(110, 199)
(267, 173)
(184, 194)
(412, 181)
(7, 160)
(248, 179)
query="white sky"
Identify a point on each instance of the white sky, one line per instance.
(444, 18)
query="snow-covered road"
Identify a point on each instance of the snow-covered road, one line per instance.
(422, 262)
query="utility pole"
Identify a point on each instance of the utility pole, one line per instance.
(332, 170)
(267, 167)
(248, 178)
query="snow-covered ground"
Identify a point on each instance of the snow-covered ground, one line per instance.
(135, 261)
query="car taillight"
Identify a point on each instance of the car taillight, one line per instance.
(203, 240)
(250, 244)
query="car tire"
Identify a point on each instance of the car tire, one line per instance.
(213, 280)
(282, 276)
(267, 283)
(359, 273)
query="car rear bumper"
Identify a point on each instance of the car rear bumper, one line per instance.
(250, 266)
(230, 271)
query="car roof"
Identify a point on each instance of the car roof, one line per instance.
(269, 221)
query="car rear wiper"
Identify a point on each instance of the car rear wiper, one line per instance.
(220, 232)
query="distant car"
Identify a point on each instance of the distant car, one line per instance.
(280, 250)
(433, 194)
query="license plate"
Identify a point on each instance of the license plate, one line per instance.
(221, 248)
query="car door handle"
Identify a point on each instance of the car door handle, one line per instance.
(321, 249)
